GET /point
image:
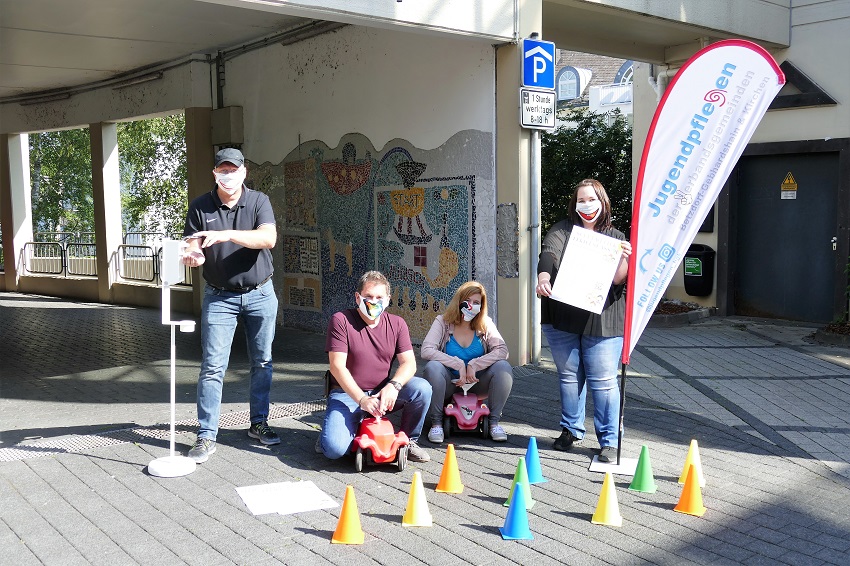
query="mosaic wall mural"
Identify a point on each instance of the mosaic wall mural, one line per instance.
(343, 212)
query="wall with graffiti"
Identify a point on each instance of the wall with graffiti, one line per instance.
(342, 211)
(377, 150)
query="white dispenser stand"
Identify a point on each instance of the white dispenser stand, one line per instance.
(172, 273)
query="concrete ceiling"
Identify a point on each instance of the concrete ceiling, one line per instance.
(47, 45)
(51, 44)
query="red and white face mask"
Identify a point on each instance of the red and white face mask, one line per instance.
(589, 210)
(231, 182)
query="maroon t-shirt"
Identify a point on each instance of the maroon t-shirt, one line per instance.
(371, 351)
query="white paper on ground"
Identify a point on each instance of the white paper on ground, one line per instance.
(285, 498)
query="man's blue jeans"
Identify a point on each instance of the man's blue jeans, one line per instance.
(343, 416)
(591, 360)
(219, 314)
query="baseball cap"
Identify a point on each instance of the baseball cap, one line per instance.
(231, 155)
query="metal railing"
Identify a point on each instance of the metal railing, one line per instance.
(44, 257)
(139, 261)
(64, 238)
(81, 259)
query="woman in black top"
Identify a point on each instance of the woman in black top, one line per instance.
(586, 347)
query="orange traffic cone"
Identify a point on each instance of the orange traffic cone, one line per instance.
(690, 501)
(417, 513)
(608, 510)
(348, 529)
(450, 477)
(693, 458)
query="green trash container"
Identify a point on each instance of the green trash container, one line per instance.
(699, 270)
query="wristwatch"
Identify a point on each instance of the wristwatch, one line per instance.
(396, 384)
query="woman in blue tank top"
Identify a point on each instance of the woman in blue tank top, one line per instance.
(464, 346)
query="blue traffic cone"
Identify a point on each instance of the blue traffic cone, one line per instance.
(516, 523)
(532, 462)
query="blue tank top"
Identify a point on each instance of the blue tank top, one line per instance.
(474, 350)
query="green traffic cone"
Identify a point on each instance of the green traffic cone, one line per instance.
(643, 480)
(521, 479)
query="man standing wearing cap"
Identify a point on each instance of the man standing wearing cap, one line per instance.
(231, 231)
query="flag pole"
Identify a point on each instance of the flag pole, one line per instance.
(622, 411)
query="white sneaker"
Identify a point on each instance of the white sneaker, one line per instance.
(435, 435)
(498, 434)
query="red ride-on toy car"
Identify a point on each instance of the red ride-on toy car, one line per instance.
(466, 412)
(378, 443)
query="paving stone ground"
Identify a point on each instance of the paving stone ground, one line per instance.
(84, 408)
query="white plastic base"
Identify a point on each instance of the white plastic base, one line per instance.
(171, 467)
(626, 467)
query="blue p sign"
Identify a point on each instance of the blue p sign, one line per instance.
(538, 63)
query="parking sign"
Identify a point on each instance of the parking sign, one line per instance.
(538, 63)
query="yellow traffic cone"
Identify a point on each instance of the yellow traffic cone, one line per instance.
(693, 458)
(450, 477)
(417, 513)
(348, 529)
(608, 510)
(690, 501)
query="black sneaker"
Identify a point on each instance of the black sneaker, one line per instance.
(416, 453)
(608, 454)
(263, 432)
(565, 442)
(201, 450)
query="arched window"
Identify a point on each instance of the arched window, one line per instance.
(626, 73)
(571, 82)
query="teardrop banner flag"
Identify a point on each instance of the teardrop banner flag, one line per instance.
(701, 126)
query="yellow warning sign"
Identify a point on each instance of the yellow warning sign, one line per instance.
(789, 184)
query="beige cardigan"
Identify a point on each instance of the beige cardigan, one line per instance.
(435, 342)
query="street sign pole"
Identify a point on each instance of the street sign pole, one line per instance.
(537, 112)
(536, 190)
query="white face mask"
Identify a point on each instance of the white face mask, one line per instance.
(469, 310)
(231, 182)
(589, 211)
(372, 309)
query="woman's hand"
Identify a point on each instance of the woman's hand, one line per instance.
(467, 376)
(627, 249)
(544, 285)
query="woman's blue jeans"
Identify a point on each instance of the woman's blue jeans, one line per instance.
(219, 314)
(343, 416)
(592, 361)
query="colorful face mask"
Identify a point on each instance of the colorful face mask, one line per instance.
(230, 182)
(589, 210)
(469, 310)
(372, 309)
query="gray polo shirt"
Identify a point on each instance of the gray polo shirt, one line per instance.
(229, 265)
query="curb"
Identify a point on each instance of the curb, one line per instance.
(680, 319)
(832, 338)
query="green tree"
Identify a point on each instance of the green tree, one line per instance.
(152, 166)
(154, 185)
(60, 175)
(592, 146)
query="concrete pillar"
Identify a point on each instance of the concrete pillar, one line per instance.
(199, 166)
(106, 192)
(513, 186)
(15, 204)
